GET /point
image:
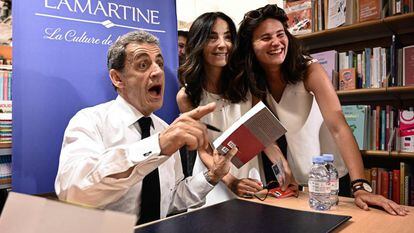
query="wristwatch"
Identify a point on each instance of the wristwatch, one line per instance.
(208, 178)
(361, 184)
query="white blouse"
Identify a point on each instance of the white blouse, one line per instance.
(223, 117)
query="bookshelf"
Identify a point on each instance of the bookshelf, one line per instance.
(369, 34)
(361, 34)
(381, 165)
(5, 121)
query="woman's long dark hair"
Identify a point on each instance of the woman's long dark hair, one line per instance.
(192, 72)
(248, 70)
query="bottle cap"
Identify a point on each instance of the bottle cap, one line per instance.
(328, 157)
(318, 159)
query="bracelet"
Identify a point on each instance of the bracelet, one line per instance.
(359, 181)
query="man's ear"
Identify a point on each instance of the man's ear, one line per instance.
(115, 76)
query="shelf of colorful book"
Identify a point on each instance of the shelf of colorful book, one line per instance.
(387, 154)
(402, 25)
(362, 96)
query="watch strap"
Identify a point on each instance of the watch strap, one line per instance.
(359, 181)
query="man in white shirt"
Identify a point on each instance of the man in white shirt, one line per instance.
(105, 159)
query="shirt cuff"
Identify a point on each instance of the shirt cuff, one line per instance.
(200, 184)
(145, 149)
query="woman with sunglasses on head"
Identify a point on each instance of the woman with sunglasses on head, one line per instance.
(206, 78)
(272, 63)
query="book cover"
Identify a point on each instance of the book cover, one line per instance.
(369, 10)
(347, 79)
(408, 66)
(5, 106)
(336, 13)
(356, 118)
(299, 13)
(254, 131)
(329, 61)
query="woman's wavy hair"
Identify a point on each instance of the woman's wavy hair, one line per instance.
(192, 73)
(248, 71)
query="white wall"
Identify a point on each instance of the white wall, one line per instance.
(189, 10)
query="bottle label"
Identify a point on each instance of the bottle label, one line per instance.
(319, 187)
(334, 184)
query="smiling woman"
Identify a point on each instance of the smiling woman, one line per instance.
(207, 79)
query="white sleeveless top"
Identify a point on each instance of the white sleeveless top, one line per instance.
(307, 134)
(223, 117)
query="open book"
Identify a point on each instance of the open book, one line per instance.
(254, 131)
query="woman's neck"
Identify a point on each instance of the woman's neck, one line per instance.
(274, 78)
(212, 79)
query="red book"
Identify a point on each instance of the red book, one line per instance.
(408, 66)
(254, 131)
(396, 186)
(384, 184)
(369, 10)
(374, 175)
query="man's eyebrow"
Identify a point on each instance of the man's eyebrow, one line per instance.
(160, 56)
(140, 55)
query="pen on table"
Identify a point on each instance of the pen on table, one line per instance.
(210, 127)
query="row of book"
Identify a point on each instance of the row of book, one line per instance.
(396, 184)
(371, 68)
(306, 16)
(5, 167)
(381, 127)
(6, 121)
(5, 85)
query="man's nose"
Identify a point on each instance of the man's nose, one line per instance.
(157, 71)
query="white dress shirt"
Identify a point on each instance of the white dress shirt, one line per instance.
(104, 140)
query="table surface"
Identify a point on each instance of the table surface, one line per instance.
(374, 220)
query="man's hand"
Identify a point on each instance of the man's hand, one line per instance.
(363, 199)
(246, 187)
(221, 165)
(186, 130)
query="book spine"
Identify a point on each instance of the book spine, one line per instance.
(396, 186)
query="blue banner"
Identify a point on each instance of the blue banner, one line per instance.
(59, 66)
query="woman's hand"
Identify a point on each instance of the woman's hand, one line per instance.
(364, 199)
(245, 187)
(286, 179)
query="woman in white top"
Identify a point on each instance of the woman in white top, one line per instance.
(277, 70)
(206, 79)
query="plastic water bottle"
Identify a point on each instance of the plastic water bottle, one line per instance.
(333, 178)
(319, 189)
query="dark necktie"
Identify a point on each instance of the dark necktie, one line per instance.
(151, 194)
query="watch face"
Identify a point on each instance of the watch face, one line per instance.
(367, 187)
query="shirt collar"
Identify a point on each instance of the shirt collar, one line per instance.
(128, 113)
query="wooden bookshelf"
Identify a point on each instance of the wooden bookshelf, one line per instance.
(387, 154)
(401, 25)
(375, 153)
(369, 95)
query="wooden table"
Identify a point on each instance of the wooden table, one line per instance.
(373, 220)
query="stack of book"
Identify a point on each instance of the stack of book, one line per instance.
(5, 121)
(5, 168)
